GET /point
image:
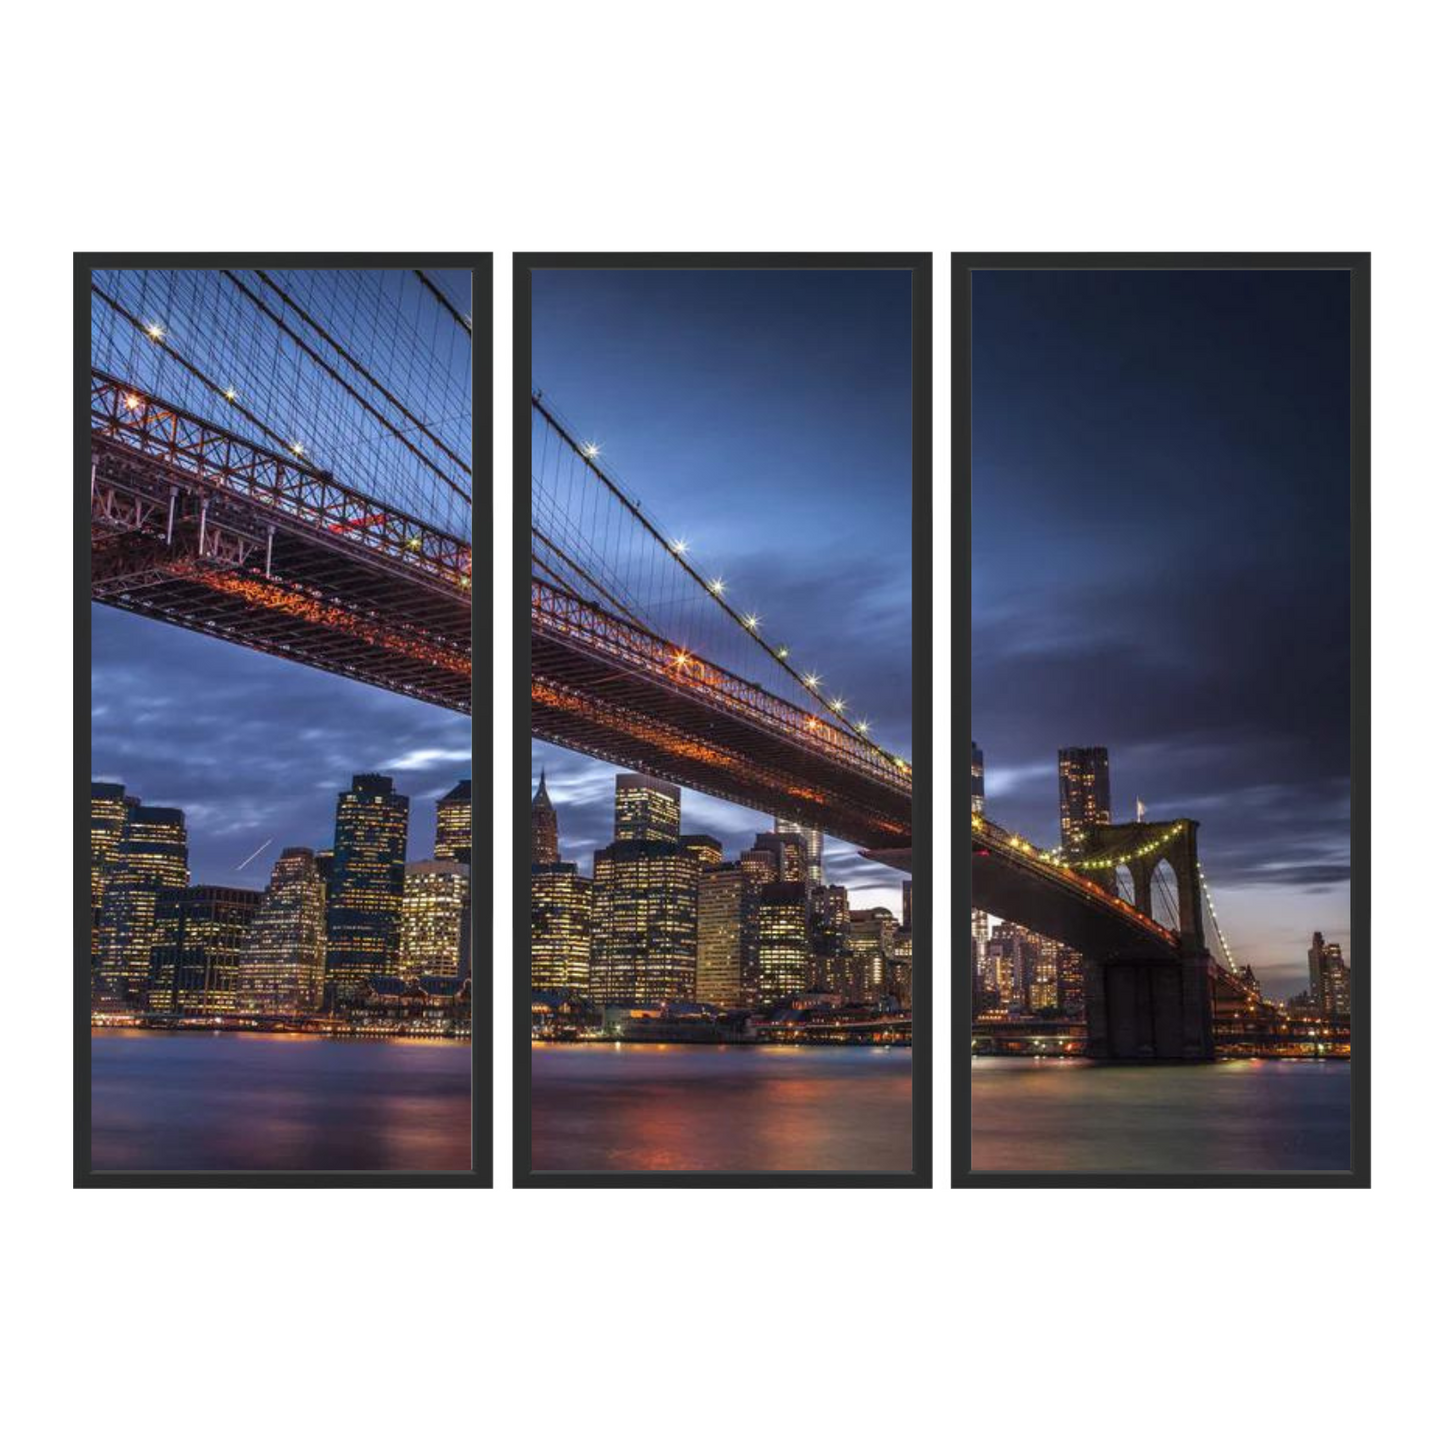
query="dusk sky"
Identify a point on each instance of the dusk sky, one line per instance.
(255, 749)
(766, 417)
(1160, 564)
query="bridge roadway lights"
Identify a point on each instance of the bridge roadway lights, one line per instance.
(1154, 1011)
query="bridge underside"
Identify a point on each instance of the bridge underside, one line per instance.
(167, 546)
(603, 705)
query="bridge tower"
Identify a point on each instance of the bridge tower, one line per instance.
(1157, 1008)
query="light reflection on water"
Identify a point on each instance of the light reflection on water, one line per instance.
(667, 1107)
(1243, 1115)
(277, 1101)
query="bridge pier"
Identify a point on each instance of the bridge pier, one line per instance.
(1155, 1010)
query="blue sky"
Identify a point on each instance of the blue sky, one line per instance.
(766, 417)
(1160, 564)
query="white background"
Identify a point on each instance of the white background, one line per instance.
(375, 1315)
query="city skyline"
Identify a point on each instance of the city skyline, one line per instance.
(708, 393)
(1160, 566)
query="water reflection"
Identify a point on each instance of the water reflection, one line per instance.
(277, 1101)
(1241, 1116)
(669, 1107)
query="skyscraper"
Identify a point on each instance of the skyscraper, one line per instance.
(870, 946)
(1329, 978)
(979, 919)
(368, 881)
(648, 811)
(544, 825)
(783, 962)
(152, 855)
(436, 920)
(109, 807)
(1083, 794)
(706, 850)
(644, 943)
(828, 938)
(454, 824)
(283, 963)
(561, 928)
(201, 934)
(813, 847)
(791, 853)
(720, 909)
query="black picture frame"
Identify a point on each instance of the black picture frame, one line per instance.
(964, 264)
(480, 1173)
(920, 264)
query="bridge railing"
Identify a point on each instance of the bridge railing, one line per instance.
(1049, 866)
(568, 615)
(221, 460)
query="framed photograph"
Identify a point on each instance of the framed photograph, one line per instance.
(1166, 460)
(276, 914)
(722, 847)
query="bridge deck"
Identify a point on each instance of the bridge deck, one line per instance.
(611, 689)
(196, 527)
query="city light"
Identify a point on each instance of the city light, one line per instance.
(591, 450)
(230, 393)
(298, 448)
(717, 587)
(812, 680)
(751, 622)
(132, 401)
(679, 546)
(782, 653)
(863, 725)
(154, 332)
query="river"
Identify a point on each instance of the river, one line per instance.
(1241, 1116)
(734, 1107)
(187, 1100)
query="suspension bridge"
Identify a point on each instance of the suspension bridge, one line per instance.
(282, 460)
(1152, 947)
(641, 659)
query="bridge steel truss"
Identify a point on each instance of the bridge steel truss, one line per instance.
(610, 688)
(196, 526)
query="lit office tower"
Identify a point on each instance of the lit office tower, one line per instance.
(368, 880)
(759, 867)
(812, 844)
(152, 855)
(561, 928)
(704, 850)
(720, 909)
(870, 946)
(791, 852)
(454, 824)
(436, 920)
(544, 825)
(1083, 793)
(648, 811)
(783, 964)
(908, 905)
(828, 937)
(283, 965)
(979, 919)
(1329, 978)
(109, 806)
(201, 936)
(644, 941)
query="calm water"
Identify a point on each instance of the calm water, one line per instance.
(1243, 1115)
(670, 1106)
(277, 1101)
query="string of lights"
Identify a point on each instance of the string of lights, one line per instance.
(1119, 860)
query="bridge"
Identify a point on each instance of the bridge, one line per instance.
(281, 461)
(1149, 985)
(643, 661)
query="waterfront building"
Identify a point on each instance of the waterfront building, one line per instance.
(454, 824)
(436, 920)
(1329, 978)
(647, 810)
(644, 943)
(1083, 794)
(759, 867)
(200, 937)
(283, 963)
(561, 928)
(979, 919)
(828, 916)
(544, 825)
(109, 807)
(783, 962)
(721, 907)
(368, 881)
(870, 945)
(1003, 985)
(900, 968)
(812, 847)
(152, 855)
